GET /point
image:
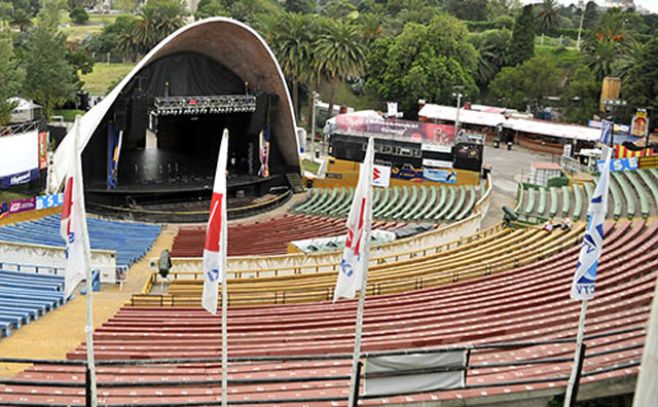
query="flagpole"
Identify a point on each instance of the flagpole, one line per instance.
(570, 397)
(89, 327)
(354, 380)
(224, 327)
(357, 339)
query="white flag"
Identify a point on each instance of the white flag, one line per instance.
(584, 280)
(354, 263)
(214, 251)
(73, 226)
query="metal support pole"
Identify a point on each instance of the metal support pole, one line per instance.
(313, 100)
(459, 103)
(355, 395)
(572, 386)
(224, 342)
(357, 343)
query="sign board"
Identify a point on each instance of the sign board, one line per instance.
(49, 201)
(19, 178)
(381, 176)
(410, 373)
(640, 124)
(566, 152)
(620, 164)
(22, 205)
(435, 175)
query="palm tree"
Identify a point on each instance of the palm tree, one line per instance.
(340, 52)
(547, 16)
(293, 41)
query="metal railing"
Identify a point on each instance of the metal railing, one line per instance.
(19, 128)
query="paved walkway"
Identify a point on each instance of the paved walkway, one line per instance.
(60, 331)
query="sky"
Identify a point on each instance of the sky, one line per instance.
(651, 5)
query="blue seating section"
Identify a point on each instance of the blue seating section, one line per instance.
(131, 241)
(25, 297)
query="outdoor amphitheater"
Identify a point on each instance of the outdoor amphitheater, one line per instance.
(466, 284)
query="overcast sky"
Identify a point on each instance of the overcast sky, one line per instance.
(647, 4)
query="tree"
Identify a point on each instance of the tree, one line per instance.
(423, 61)
(79, 15)
(300, 6)
(470, 10)
(158, 19)
(293, 45)
(210, 8)
(11, 75)
(50, 79)
(527, 85)
(500, 8)
(547, 16)
(581, 98)
(340, 52)
(493, 47)
(523, 37)
(641, 86)
(591, 14)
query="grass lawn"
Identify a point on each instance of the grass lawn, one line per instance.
(103, 75)
(6, 196)
(310, 166)
(77, 33)
(69, 114)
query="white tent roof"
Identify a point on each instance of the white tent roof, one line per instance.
(235, 45)
(533, 126)
(23, 104)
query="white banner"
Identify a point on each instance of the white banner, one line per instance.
(389, 375)
(381, 176)
(19, 153)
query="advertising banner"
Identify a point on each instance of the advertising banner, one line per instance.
(49, 201)
(405, 130)
(43, 150)
(640, 124)
(381, 176)
(18, 179)
(620, 164)
(435, 175)
(22, 205)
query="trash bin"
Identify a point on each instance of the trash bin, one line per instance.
(509, 145)
(496, 143)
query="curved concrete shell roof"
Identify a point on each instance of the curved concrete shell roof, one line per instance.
(229, 42)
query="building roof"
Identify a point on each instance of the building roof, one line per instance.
(524, 125)
(229, 42)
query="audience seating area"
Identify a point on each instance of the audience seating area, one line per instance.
(266, 237)
(26, 296)
(525, 302)
(130, 240)
(415, 203)
(499, 251)
(632, 194)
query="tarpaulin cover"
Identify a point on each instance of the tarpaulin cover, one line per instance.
(19, 153)
(387, 375)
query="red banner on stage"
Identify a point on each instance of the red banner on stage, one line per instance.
(43, 150)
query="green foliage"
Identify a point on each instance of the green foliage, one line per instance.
(424, 61)
(526, 84)
(210, 8)
(641, 86)
(11, 75)
(79, 15)
(591, 14)
(340, 52)
(547, 15)
(300, 6)
(470, 10)
(50, 78)
(493, 47)
(523, 37)
(580, 100)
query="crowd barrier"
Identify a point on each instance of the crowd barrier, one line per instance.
(54, 258)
